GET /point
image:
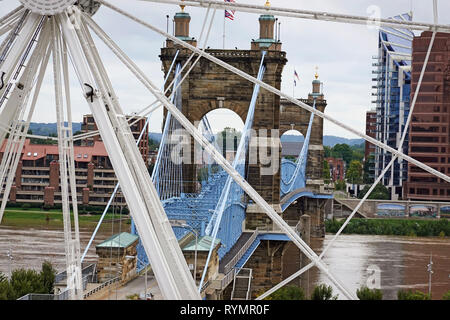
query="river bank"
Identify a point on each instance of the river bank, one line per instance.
(53, 219)
(395, 227)
(394, 263)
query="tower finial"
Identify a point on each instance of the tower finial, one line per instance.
(317, 73)
(182, 6)
(267, 4)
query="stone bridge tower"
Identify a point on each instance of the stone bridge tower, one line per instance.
(209, 87)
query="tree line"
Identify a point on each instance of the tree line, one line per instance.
(25, 281)
(324, 292)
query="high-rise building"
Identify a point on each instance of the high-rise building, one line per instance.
(392, 84)
(430, 123)
(369, 152)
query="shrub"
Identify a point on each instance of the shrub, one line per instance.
(47, 207)
(446, 296)
(340, 185)
(413, 295)
(323, 292)
(365, 293)
(26, 206)
(24, 281)
(47, 276)
(288, 293)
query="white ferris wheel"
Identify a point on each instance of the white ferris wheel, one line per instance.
(52, 34)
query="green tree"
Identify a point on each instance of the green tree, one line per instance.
(25, 281)
(354, 172)
(342, 151)
(47, 276)
(368, 166)
(326, 172)
(364, 293)
(446, 296)
(380, 192)
(3, 277)
(323, 292)
(412, 295)
(340, 185)
(288, 293)
(6, 292)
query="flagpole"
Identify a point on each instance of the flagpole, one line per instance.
(293, 87)
(224, 18)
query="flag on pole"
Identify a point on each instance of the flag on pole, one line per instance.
(296, 76)
(229, 13)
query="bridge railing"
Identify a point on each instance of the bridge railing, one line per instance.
(294, 224)
(100, 287)
(230, 265)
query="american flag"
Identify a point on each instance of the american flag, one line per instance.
(296, 76)
(229, 13)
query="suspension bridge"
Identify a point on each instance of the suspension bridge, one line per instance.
(244, 205)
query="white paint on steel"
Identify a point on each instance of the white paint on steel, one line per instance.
(217, 156)
(308, 14)
(47, 7)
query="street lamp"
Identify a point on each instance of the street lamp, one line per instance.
(430, 272)
(10, 256)
(146, 267)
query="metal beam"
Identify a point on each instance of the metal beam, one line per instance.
(219, 158)
(140, 208)
(308, 14)
(281, 94)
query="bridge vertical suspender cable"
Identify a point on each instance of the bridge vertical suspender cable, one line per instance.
(239, 157)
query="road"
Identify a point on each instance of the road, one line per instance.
(135, 286)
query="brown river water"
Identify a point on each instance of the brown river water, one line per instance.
(401, 261)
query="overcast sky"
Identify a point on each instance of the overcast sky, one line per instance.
(342, 52)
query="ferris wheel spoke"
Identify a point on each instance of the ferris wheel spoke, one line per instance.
(71, 167)
(11, 16)
(13, 60)
(161, 261)
(307, 14)
(402, 140)
(291, 99)
(16, 141)
(66, 163)
(8, 24)
(224, 163)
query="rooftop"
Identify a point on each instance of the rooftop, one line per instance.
(37, 151)
(121, 240)
(203, 244)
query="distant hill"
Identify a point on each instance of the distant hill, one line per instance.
(329, 141)
(45, 129)
(155, 136)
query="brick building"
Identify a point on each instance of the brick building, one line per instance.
(37, 175)
(89, 125)
(370, 149)
(337, 168)
(429, 128)
(371, 127)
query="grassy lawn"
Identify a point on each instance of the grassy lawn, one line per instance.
(33, 217)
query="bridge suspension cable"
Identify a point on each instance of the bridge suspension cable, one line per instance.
(298, 177)
(227, 197)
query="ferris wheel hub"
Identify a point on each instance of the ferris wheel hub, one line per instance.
(47, 7)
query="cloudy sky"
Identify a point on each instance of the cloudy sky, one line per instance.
(342, 52)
